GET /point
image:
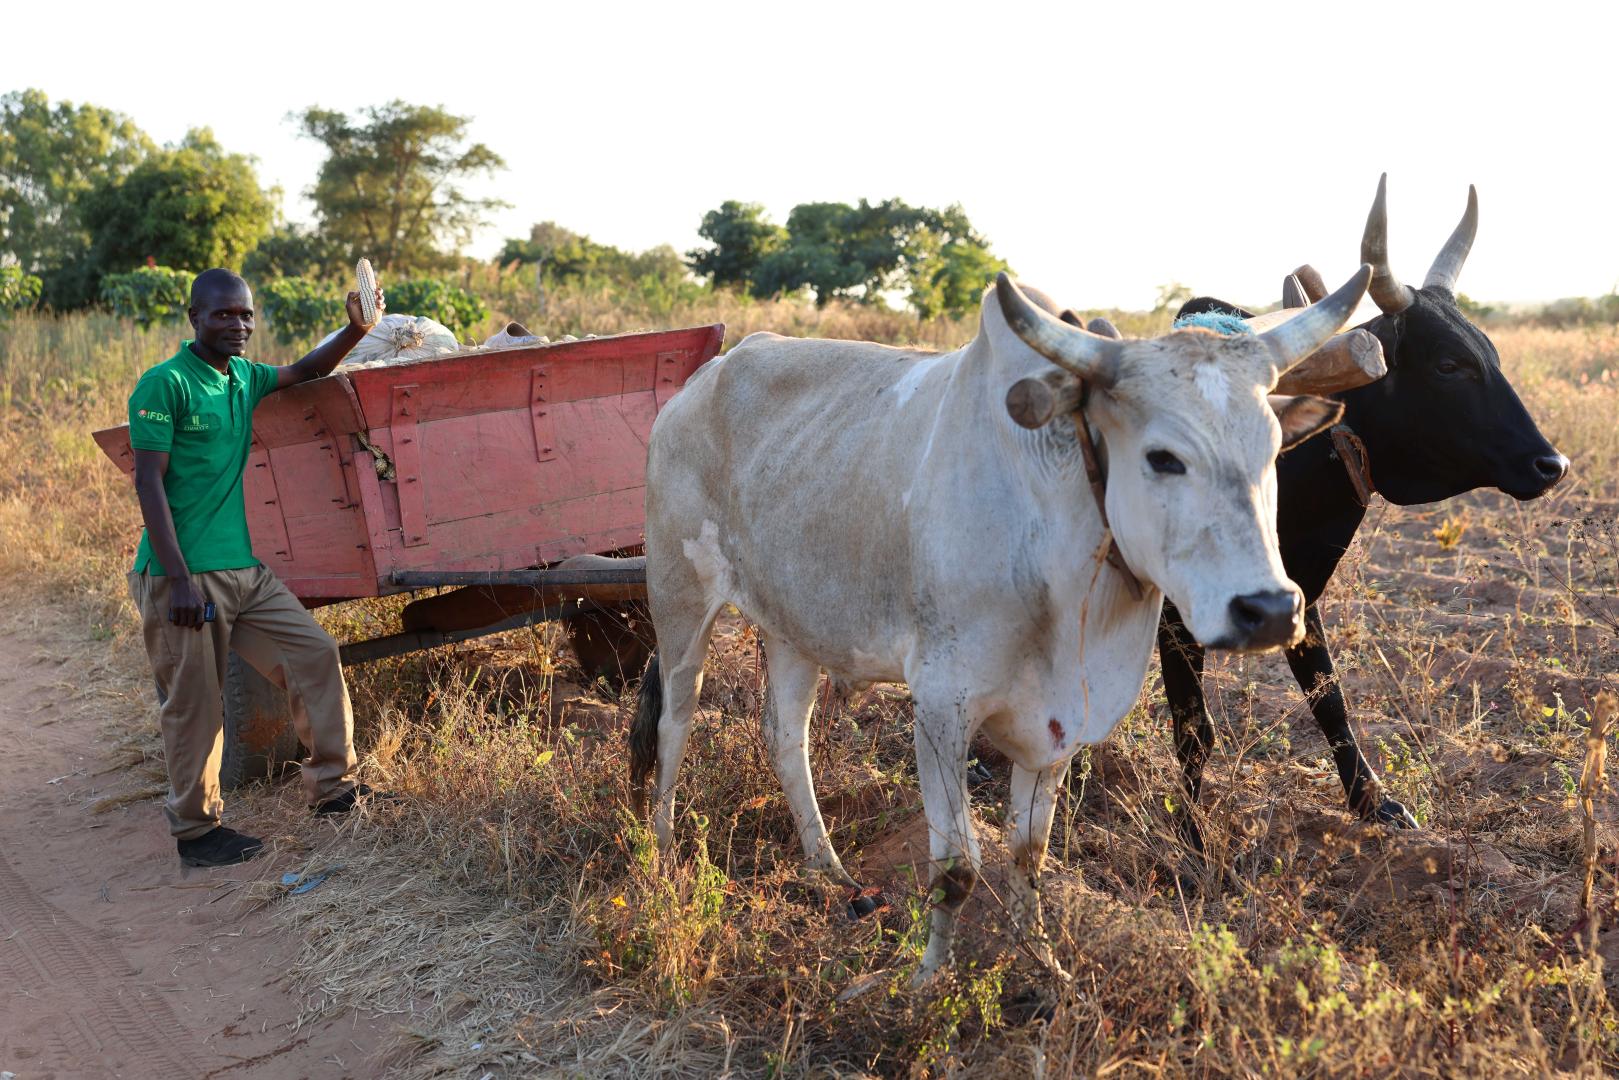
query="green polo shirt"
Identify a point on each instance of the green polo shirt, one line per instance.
(204, 421)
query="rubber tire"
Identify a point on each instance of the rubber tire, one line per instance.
(611, 643)
(259, 737)
(248, 695)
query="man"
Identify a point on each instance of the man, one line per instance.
(199, 589)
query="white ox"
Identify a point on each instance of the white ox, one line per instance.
(877, 514)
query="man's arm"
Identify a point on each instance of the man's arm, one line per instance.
(185, 598)
(325, 357)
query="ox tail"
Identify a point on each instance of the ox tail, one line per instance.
(644, 734)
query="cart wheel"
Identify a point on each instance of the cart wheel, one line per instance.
(259, 737)
(611, 643)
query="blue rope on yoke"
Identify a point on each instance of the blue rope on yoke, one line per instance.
(1218, 321)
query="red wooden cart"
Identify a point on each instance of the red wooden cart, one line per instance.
(508, 474)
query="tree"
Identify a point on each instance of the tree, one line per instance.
(293, 250)
(741, 239)
(951, 279)
(148, 294)
(563, 254)
(190, 206)
(391, 185)
(864, 251)
(1172, 296)
(836, 249)
(18, 290)
(50, 158)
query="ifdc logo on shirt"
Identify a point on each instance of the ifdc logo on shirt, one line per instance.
(155, 416)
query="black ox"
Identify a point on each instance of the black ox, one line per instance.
(1443, 421)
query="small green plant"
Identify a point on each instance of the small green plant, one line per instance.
(17, 290)
(978, 994)
(300, 308)
(438, 300)
(1408, 769)
(148, 294)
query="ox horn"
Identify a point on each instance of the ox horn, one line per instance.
(1071, 348)
(1310, 278)
(1448, 266)
(1307, 331)
(1391, 296)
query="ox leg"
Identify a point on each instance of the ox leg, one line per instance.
(1311, 662)
(941, 766)
(793, 679)
(682, 682)
(1181, 659)
(1030, 807)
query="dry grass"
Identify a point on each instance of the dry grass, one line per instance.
(507, 912)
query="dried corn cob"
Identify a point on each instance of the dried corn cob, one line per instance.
(366, 282)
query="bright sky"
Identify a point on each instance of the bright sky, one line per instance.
(1105, 149)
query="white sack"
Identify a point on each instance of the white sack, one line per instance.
(397, 338)
(514, 335)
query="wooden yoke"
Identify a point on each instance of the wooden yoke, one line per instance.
(1350, 359)
(1347, 360)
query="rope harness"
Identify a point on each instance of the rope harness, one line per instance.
(1348, 449)
(1098, 482)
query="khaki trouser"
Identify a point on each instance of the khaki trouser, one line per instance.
(265, 624)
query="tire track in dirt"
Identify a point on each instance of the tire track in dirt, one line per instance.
(50, 957)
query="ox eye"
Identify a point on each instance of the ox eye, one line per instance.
(1165, 463)
(1447, 367)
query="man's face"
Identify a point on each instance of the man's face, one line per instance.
(223, 319)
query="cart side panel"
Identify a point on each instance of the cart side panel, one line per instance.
(300, 492)
(524, 456)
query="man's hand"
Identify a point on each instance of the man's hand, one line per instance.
(323, 359)
(357, 313)
(185, 604)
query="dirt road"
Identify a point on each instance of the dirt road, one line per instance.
(115, 961)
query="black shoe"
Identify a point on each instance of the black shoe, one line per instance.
(342, 804)
(219, 847)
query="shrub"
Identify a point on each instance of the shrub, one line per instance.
(17, 290)
(148, 294)
(300, 308)
(439, 300)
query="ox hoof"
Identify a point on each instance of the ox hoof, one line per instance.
(864, 902)
(1190, 834)
(1395, 815)
(978, 775)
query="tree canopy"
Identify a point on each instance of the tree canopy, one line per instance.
(294, 250)
(191, 206)
(392, 186)
(741, 239)
(50, 157)
(859, 252)
(561, 253)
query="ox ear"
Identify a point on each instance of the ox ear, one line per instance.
(1304, 416)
